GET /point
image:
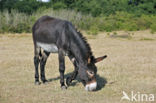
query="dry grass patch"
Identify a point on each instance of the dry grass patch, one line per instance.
(130, 66)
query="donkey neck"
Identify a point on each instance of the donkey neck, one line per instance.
(80, 48)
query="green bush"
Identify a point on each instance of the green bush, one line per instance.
(23, 27)
(59, 5)
(15, 22)
(130, 26)
(153, 27)
(93, 30)
(20, 22)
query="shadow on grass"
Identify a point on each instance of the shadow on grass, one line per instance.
(101, 81)
(65, 76)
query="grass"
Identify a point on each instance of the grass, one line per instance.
(146, 39)
(16, 22)
(130, 66)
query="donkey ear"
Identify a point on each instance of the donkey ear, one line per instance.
(100, 59)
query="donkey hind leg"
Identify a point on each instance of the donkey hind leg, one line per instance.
(36, 63)
(75, 72)
(44, 56)
(61, 57)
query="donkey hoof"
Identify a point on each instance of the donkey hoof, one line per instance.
(37, 83)
(45, 82)
(63, 87)
(68, 81)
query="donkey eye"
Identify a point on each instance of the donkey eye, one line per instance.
(91, 72)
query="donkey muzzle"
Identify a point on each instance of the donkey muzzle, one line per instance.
(91, 86)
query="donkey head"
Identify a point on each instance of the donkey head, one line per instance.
(87, 73)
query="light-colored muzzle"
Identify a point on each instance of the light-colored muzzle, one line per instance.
(91, 86)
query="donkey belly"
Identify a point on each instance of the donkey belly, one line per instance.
(48, 47)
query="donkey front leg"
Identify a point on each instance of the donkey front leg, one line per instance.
(62, 68)
(44, 56)
(75, 72)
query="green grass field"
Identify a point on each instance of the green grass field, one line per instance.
(130, 66)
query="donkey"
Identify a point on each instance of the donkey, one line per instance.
(52, 35)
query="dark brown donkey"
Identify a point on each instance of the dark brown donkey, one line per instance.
(52, 35)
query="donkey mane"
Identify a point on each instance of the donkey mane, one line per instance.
(89, 52)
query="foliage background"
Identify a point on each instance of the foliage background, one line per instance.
(90, 15)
